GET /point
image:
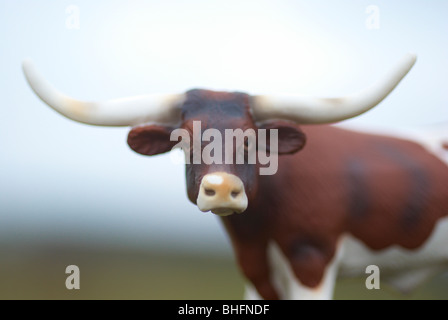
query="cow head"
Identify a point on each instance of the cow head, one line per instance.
(217, 185)
(228, 186)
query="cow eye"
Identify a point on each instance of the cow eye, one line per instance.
(246, 144)
(186, 147)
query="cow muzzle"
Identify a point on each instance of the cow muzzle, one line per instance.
(222, 193)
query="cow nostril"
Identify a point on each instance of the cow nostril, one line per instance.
(210, 192)
(235, 193)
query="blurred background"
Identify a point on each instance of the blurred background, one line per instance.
(76, 194)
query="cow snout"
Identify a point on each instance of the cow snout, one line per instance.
(222, 193)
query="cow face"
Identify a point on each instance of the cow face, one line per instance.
(221, 184)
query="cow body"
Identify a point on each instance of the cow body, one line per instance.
(343, 201)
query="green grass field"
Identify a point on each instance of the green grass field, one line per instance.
(38, 272)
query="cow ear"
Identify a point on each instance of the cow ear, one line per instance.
(150, 140)
(290, 137)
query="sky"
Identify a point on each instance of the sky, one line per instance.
(69, 181)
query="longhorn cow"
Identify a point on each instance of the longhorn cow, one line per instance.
(345, 201)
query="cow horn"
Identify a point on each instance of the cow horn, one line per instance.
(306, 110)
(162, 108)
